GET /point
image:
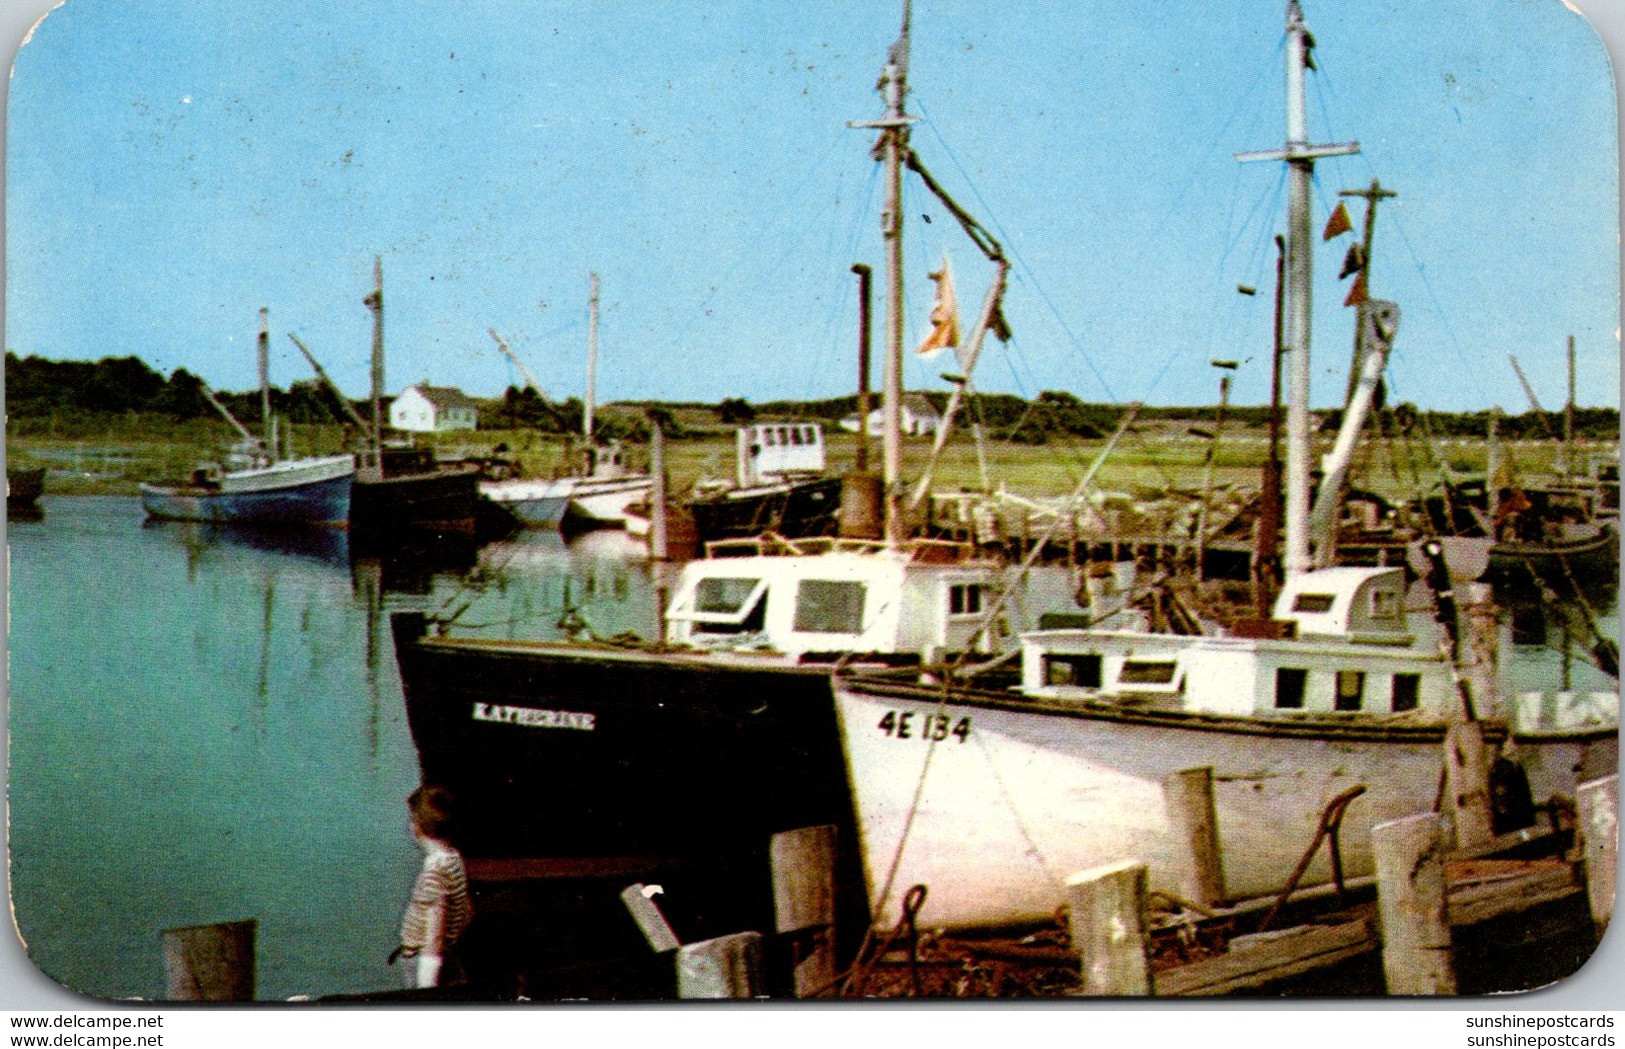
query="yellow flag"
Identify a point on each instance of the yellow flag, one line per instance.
(944, 315)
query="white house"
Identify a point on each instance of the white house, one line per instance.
(920, 418)
(422, 408)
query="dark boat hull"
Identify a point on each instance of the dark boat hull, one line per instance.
(794, 510)
(440, 502)
(567, 751)
(24, 487)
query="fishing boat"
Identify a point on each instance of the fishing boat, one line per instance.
(722, 731)
(401, 493)
(779, 487)
(992, 797)
(597, 497)
(254, 486)
(24, 487)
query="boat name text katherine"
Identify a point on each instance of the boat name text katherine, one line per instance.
(534, 718)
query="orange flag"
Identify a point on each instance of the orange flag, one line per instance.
(1357, 292)
(944, 315)
(1338, 224)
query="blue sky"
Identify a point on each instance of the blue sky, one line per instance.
(174, 166)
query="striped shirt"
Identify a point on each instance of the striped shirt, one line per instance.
(441, 885)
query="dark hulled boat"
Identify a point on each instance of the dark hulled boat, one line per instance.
(407, 495)
(24, 487)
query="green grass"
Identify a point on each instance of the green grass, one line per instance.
(1150, 460)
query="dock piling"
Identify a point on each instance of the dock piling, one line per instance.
(803, 864)
(641, 905)
(1467, 784)
(1107, 906)
(1599, 832)
(726, 967)
(1195, 827)
(211, 963)
(1416, 944)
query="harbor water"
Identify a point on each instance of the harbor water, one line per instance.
(206, 725)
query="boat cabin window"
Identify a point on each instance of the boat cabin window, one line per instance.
(827, 606)
(965, 599)
(1146, 672)
(1350, 689)
(729, 606)
(795, 435)
(725, 596)
(1289, 687)
(1313, 602)
(1385, 604)
(1081, 671)
(1407, 690)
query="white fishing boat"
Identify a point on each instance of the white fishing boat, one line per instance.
(992, 798)
(601, 494)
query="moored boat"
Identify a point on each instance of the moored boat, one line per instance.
(310, 491)
(24, 487)
(994, 798)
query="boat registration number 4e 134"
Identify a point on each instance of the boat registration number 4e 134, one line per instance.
(913, 724)
(531, 717)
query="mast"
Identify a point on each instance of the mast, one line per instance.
(892, 147)
(265, 383)
(375, 303)
(592, 357)
(864, 273)
(1570, 466)
(1300, 157)
(1372, 195)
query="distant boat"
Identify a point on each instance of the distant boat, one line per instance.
(401, 492)
(254, 487)
(780, 488)
(312, 491)
(24, 487)
(601, 495)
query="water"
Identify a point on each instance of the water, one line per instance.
(207, 725)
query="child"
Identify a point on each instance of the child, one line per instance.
(439, 909)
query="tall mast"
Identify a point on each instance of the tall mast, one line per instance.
(375, 303)
(892, 147)
(1300, 157)
(265, 381)
(592, 356)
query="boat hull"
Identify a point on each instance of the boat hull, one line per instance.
(993, 802)
(311, 492)
(556, 750)
(24, 487)
(794, 510)
(437, 503)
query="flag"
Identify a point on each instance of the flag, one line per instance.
(944, 315)
(1338, 224)
(1358, 292)
(1354, 261)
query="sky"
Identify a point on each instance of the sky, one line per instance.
(174, 165)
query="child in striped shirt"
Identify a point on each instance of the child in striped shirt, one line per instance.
(439, 909)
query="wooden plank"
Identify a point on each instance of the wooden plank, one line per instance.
(1411, 903)
(211, 963)
(1501, 843)
(803, 863)
(1256, 965)
(1107, 906)
(1467, 783)
(726, 967)
(641, 905)
(1479, 902)
(1194, 827)
(1599, 831)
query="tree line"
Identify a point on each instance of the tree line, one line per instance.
(68, 392)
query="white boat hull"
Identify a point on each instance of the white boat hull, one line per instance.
(993, 806)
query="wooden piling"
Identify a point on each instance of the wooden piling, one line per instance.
(657, 492)
(1467, 784)
(646, 913)
(211, 963)
(726, 967)
(1599, 831)
(1411, 904)
(803, 864)
(1194, 826)
(1107, 907)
